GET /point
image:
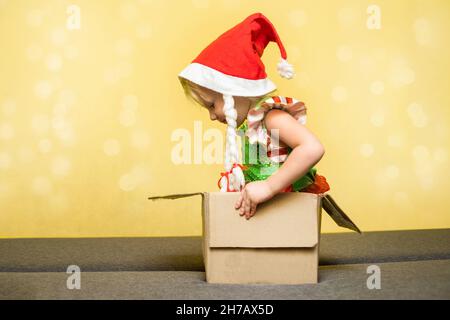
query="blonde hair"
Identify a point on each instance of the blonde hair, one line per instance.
(190, 94)
(234, 178)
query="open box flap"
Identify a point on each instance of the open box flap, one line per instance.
(177, 196)
(336, 213)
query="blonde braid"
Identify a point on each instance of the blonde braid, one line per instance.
(236, 175)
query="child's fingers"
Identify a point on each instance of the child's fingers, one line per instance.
(247, 208)
(242, 203)
(239, 202)
(253, 209)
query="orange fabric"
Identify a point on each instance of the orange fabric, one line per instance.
(320, 185)
(288, 189)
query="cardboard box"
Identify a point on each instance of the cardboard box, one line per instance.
(279, 245)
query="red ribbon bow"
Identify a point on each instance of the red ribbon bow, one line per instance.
(227, 173)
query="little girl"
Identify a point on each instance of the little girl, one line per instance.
(228, 78)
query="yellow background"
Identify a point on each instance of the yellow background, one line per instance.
(86, 116)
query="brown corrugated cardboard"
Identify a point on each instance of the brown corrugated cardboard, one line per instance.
(279, 245)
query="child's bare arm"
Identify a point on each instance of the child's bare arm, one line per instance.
(306, 148)
(306, 152)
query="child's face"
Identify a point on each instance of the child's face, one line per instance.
(213, 102)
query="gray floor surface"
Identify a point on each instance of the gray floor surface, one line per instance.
(413, 264)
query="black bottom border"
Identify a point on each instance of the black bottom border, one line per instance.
(225, 309)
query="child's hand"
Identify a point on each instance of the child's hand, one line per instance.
(254, 193)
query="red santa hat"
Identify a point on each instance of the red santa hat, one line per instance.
(232, 64)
